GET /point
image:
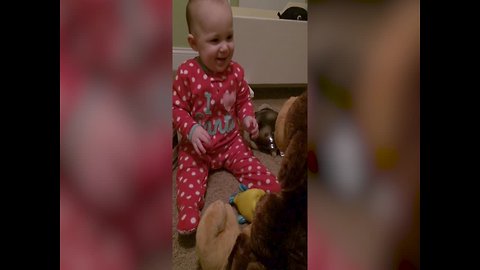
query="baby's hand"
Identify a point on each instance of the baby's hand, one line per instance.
(200, 135)
(251, 125)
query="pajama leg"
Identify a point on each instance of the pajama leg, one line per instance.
(192, 176)
(247, 168)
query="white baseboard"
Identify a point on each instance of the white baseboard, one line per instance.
(180, 54)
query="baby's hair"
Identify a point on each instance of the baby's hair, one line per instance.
(190, 6)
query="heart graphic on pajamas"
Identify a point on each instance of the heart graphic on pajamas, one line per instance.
(228, 100)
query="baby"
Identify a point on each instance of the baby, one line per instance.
(210, 100)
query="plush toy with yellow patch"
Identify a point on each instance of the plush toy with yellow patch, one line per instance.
(246, 201)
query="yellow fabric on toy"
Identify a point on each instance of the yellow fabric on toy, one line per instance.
(246, 201)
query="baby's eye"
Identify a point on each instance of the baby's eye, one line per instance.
(215, 40)
(230, 37)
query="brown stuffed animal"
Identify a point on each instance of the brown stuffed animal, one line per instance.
(279, 136)
(273, 243)
(270, 242)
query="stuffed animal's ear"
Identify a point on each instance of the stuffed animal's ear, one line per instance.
(296, 118)
(216, 235)
(280, 125)
(293, 170)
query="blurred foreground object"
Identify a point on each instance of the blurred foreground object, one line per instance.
(115, 159)
(364, 78)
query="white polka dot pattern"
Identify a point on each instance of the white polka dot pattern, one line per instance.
(191, 85)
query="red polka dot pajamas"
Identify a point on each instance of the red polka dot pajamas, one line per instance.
(219, 103)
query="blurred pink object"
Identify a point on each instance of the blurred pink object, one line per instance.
(115, 165)
(322, 253)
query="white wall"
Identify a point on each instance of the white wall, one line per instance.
(274, 53)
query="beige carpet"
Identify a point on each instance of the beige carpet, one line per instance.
(221, 185)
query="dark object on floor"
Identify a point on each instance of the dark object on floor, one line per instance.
(294, 13)
(266, 118)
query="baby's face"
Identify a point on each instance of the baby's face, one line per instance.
(214, 37)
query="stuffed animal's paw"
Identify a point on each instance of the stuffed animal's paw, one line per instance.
(216, 235)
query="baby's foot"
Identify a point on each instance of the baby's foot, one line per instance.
(188, 220)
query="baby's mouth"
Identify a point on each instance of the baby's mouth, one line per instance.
(221, 60)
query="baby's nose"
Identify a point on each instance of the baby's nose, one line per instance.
(223, 47)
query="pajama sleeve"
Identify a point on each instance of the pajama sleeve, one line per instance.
(243, 105)
(181, 100)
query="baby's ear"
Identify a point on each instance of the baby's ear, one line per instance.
(192, 42)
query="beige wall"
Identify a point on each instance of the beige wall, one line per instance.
(180, 29)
